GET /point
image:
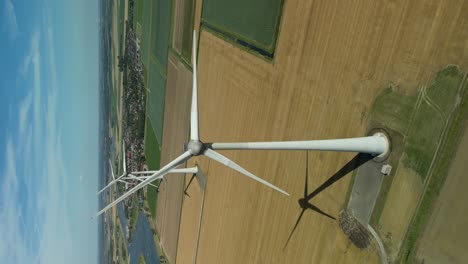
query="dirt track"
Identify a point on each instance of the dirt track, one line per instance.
(332, 59)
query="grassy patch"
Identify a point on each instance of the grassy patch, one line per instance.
(423, 139)
(429, 120)
(393, 109)
(443, 90)
(457, 126)
(141, 259)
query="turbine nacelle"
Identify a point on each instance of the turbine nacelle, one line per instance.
(196, 147)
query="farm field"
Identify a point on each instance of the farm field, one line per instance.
(331, 62)
(176, 125)
(153, 157)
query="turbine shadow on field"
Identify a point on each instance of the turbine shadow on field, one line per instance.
(304, 202)
(188, 185)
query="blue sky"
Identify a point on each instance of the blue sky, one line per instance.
(49, 95)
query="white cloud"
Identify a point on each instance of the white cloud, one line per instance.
(10, 21)
(13, 245)
(23, 111)
(39, 216)
(44, 184)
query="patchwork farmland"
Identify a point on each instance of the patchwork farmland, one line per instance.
(299, 70)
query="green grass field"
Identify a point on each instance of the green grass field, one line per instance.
(153, 157)
(444, 89)
(146, 32)
(156, 96)
(254, 22)
(154, 18)
(160, 28)
(429, 120)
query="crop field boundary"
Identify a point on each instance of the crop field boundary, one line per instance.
(237, 37)
(237, 41)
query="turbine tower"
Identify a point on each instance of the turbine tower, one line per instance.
(377, 145)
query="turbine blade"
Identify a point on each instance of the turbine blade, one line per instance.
(194, 110)
(112, 170)
(110, 184)
(182, 170)
(231, 164)
(163, 171)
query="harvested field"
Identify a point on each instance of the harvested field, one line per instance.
(331, 61)
(176, 125)
(189, 226)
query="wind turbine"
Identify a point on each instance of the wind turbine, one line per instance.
(124, 179)
(377, 145)
(132, 176)
(119, 179)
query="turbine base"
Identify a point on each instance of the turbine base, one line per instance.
(381, 133)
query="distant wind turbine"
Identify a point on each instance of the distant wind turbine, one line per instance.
(124, 178)
(376, 145)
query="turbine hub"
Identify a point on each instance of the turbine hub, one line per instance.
(195, 147)
(303, 202)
